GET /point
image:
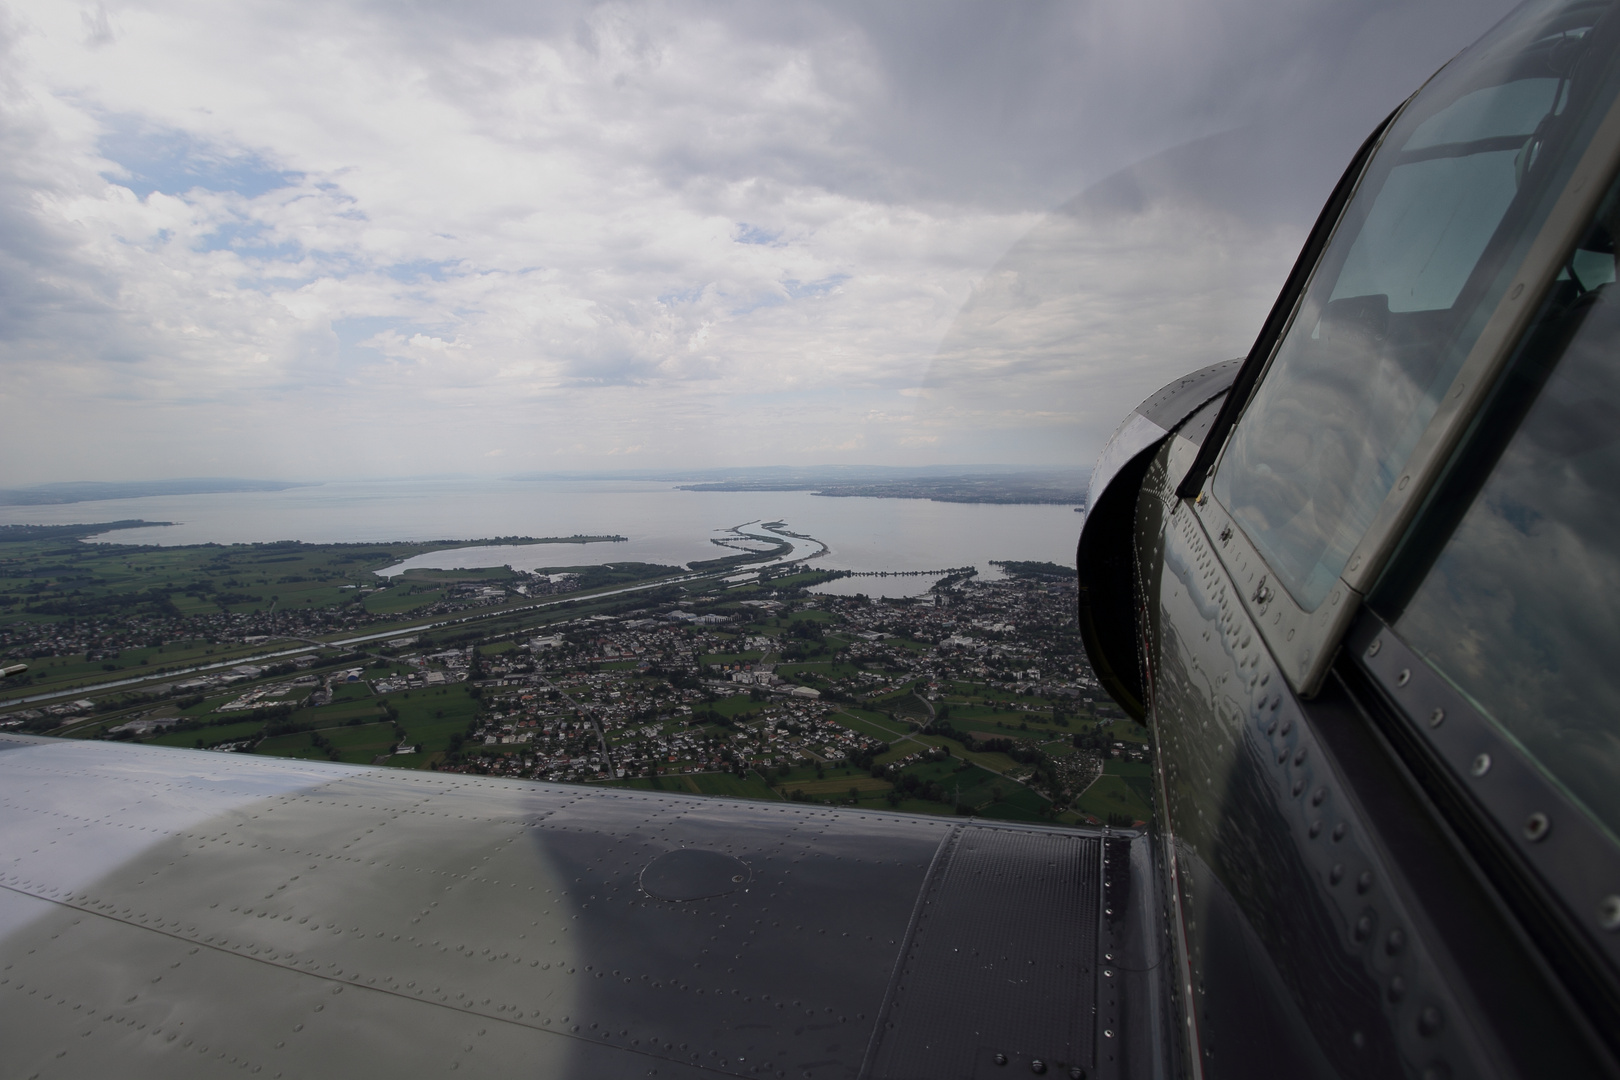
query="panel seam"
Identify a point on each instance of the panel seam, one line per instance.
(936, 873)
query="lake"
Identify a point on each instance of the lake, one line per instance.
(662, 524)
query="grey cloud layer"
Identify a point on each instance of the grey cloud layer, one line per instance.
(332, 239)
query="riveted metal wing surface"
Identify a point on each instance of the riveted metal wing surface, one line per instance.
(171, 913)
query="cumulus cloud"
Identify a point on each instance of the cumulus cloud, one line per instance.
(367, 239)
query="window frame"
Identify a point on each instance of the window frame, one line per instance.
(1305, 642)
(1564, 868)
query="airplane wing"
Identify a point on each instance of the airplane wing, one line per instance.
(171, 913)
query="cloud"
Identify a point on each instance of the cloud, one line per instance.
(348, 238)
(1130, 285)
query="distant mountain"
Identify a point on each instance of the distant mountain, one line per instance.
(97, 490)
(1002, 488)
(938, 483)
(841, 473)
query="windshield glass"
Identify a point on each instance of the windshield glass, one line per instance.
(1462, 182)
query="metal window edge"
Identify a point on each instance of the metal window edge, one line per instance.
(1574, 857)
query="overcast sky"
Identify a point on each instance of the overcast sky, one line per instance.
(318, 240)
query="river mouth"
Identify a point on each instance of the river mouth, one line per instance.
(664, 526)
(775, 541)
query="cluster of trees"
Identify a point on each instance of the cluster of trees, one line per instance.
(910, 786)
(321, 742)
(1021, 752)
(807, 638)
(867, 758)
(458, 739)
(1092, 738)
(154, 601)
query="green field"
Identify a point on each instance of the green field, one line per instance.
(350, 691)
(354, 728)
(427, 713)
(812, 615)
(362, 744)
(298, 745)
(358, 745)
(1018, 804)
(802, 774)
(339, 712)
(1125, 787)
(838, 786)
(402, 598)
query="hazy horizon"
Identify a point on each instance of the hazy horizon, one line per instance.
(824, 469)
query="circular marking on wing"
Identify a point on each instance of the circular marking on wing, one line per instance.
(693, 874)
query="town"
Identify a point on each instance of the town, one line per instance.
(970, 698)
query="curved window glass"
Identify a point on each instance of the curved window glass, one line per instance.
(1519, 611)
(1441, 219)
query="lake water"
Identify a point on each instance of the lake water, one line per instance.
(663, 525)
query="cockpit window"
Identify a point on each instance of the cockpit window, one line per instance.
(1452, 181)
(1519, 609)
(1460, 186)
